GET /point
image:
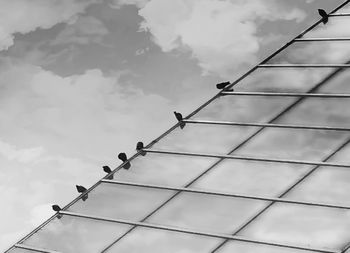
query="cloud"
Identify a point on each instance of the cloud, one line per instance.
(83, 31)
(221, 35)
(119, 3)
(21, 155)
(21, 16)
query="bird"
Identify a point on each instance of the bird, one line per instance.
(139, 147)
(81, 189)
(179, 117)
(108, 170)
(124, 158)
(324, 15)
(222, 86)
(56, 208)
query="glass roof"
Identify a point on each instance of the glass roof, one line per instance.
(261, 169)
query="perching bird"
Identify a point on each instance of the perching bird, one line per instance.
(180, 118)
(108, 170)
(222, 86)
(82, 189)
(139, 147)
(324, 15)
(124, 158)
(56, 208)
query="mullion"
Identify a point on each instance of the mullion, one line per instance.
(284, 126)
(195, 232)
(225, 194)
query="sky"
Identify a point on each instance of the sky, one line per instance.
(82, 80)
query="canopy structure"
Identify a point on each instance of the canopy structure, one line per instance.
(263, 168)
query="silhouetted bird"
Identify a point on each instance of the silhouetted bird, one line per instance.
(180, 118)
(82, 189)
(108, 170)
(223, 85)
(56, 208)
(139, 147)
(324, 15)
(124, 158)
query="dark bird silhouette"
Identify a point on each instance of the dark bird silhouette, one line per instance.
(124, 158)
(139, 147)
(179, 117)
(324, 15)
(222, 86)
(108, 170)
(56, 208)
(82, 189)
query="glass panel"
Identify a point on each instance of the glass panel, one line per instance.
(343, 156)
(169, 170)
(244, 108)
(326, 185)
(121, 202)
(206, 212)
(204, 138)
(242, 247)
(279, 79)
(338, 84)
(298, 144)
(19, 250)
(255, 178)
(337, 27)
(302, 225)
(316, 111)
(71, 234)
(159, 241)
(314, 52)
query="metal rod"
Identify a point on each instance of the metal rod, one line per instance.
(304, 66)
(321, 39)
(35, 249)
(285, 94)
(248, 158)
(267, 125)
(225, 194)
(339, 15)
(197, 232)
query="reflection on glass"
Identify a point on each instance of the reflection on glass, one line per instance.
(121, 202)
(169, 170)
(326, 185)
(244, 108)
(338, 84)
(314, 52)
(279, 79)
(204, 138)
(255, 178)
(207, 212)
(159, 241)
(242, 247)
(298, 144)
(337, 27)
(302, 225)
(342, 156)
(19, 250)
(71, 234)
(322, 112)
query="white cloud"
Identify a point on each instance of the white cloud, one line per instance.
(118, 3)
(21, 16)
(222, 35)
(22, 155)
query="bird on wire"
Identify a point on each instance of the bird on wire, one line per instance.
(124, 158)
(139, 147)
(82, 189)
(324, 15)
(108, 170)
(179, 118)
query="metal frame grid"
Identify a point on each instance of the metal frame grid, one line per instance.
(272, 123)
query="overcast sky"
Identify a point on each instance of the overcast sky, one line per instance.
(82, 80)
